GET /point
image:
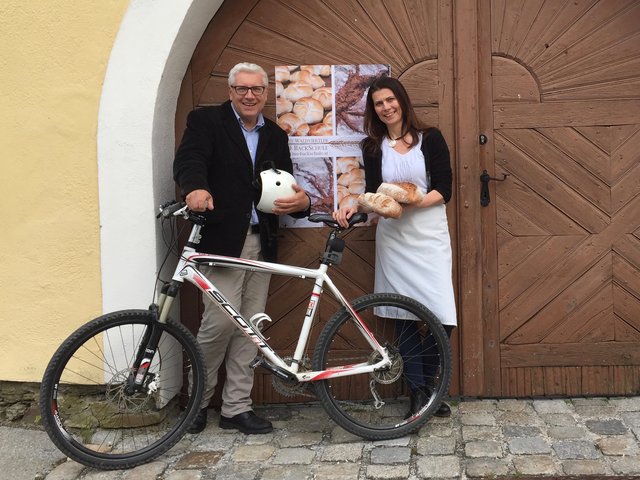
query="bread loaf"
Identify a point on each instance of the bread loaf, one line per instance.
(402, 192)
(309, 110)
(283, 106)
(297, 90)
(322, 70)
(346, 164)
(348, 201)
(381, 204)
(351, 176)
(320, 130)
(328, 118)
(279, 88)
(290, 123)
(282, 74)
(306, 76)
(323, 95)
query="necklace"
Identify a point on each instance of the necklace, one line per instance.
(394, 141)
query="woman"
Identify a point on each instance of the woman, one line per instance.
(413, 252)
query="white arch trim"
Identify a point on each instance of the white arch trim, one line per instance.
(135, 140)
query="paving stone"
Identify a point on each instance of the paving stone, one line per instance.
(149, 471)
(390, 455)
(300, 439)
(486, 419)
(486, 468)
(617, 446)
(387, 472)
(480, 433)
(518, 431)
(199, 460)
(340, 435)
(584, 467)
(184, 475)
(294, 456)
(558, 419)
(436, 446)
(253, 453)
(528, 446)
(535, 465)
(395, 442)
(567, 433)
(102, 475)
(631, 419)
(66, 470)
(292, 472)
(512, 405)
(519, 418)
(235, 471)
(610, 426)
(478, 406)
(590, 402)
(261, 439)
(624, 404)
(218, 442)
(436, 430)
(439, 467)
(485, 448)
(552, 406)
(337, 471)
(344, 452)
(626, 465)
(575, 449)
(596, 412)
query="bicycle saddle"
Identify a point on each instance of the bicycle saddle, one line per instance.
(329, 221)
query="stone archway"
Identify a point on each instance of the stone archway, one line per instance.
(135, 139)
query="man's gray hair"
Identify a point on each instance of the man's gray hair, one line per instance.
(249, 68)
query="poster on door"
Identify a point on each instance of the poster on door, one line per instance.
(321, 107)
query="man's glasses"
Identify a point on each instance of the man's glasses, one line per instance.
(242, 90)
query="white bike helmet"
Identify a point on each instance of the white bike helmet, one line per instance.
(274, 184)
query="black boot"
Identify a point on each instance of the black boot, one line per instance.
(418, 399)
(199, 422)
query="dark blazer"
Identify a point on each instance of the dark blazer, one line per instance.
(436, 159)
(213, 156)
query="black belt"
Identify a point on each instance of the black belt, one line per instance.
(255, 228)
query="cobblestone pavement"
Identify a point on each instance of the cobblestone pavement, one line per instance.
(571, 438)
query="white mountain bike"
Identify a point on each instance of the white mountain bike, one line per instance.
(116, 393)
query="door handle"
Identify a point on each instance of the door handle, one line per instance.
(484, 190)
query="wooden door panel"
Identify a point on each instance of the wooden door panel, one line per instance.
(567, 216)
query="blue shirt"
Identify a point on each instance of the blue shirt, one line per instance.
(251, 137)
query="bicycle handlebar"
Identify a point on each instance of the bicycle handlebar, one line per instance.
(173, 208)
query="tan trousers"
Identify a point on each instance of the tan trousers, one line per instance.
(219, 337)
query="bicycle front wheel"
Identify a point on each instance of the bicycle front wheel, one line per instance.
(88, 407)
(377, 405)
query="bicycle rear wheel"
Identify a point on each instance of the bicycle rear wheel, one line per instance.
(374, 406)
(87, 409)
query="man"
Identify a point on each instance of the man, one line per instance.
(223, 151)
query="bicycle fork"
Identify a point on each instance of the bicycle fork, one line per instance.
(137, 380)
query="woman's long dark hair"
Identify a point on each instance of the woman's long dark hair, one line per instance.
(376, 129)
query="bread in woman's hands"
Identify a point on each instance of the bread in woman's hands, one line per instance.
(381, 204)
(402, 192)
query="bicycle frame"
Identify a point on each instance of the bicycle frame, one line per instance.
(187, 269)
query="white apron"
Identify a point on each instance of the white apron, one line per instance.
(413, 252)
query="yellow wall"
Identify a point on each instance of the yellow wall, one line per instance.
(53, 62)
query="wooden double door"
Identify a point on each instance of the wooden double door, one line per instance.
(543, 95)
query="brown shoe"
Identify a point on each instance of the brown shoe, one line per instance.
(246, 422)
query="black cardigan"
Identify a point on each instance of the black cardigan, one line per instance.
(213, 156)
(436, 159)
